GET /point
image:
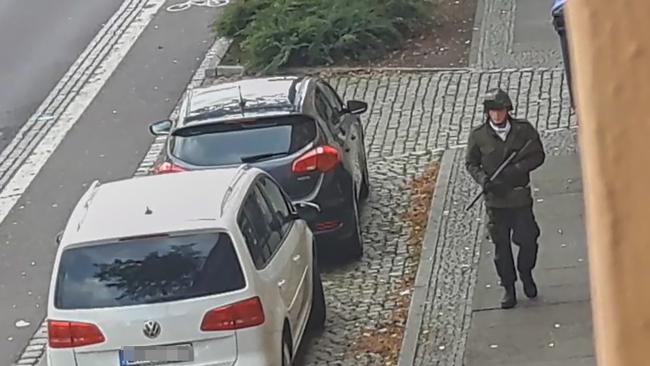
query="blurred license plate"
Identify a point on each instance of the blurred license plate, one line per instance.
(156, 355)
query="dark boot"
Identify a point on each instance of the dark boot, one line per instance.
(530, 288)
(509, 299)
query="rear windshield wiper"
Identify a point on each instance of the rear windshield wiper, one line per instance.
(258, 157)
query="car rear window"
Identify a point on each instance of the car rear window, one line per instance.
(149, 270)
(240, 141)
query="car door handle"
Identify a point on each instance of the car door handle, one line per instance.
(296, 258)
(281, 283)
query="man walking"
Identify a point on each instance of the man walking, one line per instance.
(508, 198)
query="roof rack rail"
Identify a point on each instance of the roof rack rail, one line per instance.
(301, 84)
(184, 110)
(292, 89)
(241, 170)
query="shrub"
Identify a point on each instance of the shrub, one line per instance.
(276, 33)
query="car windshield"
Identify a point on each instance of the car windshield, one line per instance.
(242, 141)
(149, 270)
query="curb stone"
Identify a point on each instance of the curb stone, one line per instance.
(228, 70)
(221, 46)
(476, 51)
(420, 288)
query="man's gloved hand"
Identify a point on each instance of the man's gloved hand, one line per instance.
(512, 172)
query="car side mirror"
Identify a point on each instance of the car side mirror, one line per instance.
(307, 211)
(59, 237)
(356, 106)
(161, 127)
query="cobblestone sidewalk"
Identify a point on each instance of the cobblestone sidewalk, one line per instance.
(418, 111)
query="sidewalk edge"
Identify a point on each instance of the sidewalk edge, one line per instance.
(471, 290)
(423, 277)
(476, 51)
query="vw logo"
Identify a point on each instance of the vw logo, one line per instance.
(151, 329)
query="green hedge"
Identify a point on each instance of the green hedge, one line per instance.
(276, 33)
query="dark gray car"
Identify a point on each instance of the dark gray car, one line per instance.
(296, 128)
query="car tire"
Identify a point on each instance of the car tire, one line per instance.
(286, 352)
(318, 313)
(355, 242)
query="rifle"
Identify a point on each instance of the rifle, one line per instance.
(498, 171)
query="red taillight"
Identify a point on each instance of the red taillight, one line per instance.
(64, 334)
(168, 167)
(322, 158)
(243, 314)
(328, 225)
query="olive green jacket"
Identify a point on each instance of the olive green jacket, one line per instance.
(486, 151)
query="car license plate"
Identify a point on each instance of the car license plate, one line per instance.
(156, 355)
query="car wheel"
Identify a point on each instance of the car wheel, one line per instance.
(355, 242)
(318, 305)
(286, 353)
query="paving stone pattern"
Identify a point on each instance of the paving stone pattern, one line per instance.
(361, 295)
(417, 111)
(447, 316)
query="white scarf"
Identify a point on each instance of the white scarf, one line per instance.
(502, 132)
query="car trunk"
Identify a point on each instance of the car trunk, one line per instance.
(297, 186)
(270, 143)
(153, 292)
(180, 335)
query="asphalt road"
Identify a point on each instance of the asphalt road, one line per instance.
(108, 142)
(39, 40)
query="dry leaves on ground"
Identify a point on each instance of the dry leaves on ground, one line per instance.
(385, 341)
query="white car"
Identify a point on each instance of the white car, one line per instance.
(211, 267)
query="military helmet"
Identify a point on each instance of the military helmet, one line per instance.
(496, 98)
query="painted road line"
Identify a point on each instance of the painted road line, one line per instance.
(35, 349)
(27, 153)
(39, 137)
(68, 87)
(182, 6)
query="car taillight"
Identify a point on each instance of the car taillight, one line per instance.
(243, 314)
(328, 225)
(168, 167)
(322, 158)
(64, 334)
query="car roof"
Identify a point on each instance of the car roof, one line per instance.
(156, 204)
(263, 97)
